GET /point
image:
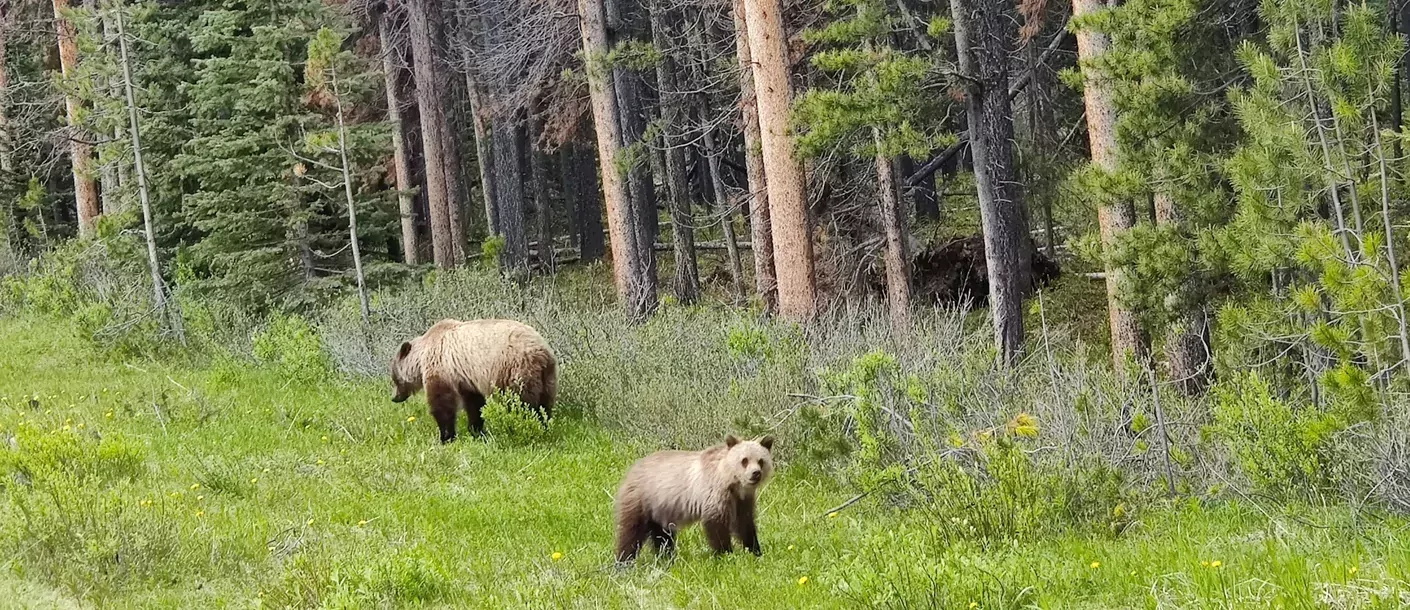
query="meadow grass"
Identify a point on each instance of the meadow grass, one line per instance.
(147, 484)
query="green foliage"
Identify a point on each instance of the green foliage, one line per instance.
(508, 420)
(1282, 449)
(289, 344)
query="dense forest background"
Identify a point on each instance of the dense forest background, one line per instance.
(1212, 192)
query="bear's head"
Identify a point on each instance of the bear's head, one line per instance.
(406, 373)
(749, 463)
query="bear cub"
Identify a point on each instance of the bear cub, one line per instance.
(718, 487)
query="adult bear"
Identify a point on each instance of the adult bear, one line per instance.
(464, 362)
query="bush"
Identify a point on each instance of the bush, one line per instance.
(1281, 449)
(508, 420)
(291, 346)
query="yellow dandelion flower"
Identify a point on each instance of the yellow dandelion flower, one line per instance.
(1204, 563)
(411, 419)
(309, 522)
(176, 494)
(200, 513)
(832, 515)
(253, 481)
(1351, 570)
(802, 580)
(1096, 564)
(1216, 563)
(199, 498)
(66, 428)
(790, 547)
(108, 415)
(319, 462)
(266, 471)
(80, 426)
(325, 439)
(195, 486)
(556, 556)
(973, 605)
(362, 523)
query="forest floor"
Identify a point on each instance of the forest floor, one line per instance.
(149, 484)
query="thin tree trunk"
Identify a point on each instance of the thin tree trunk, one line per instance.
(406, 201)
(1042, 136)
(471, 37)
(588, 209)
(348, 193)
(687, 274)
(983, 36)
(788, 204)
(428, 100)
(893, 223)
(108, 158)
(6, 144)
(1187, 349)
(85, 189)
(726, 211)
(632, 119)
(1113, 217)
(761, 227)
(636, 289)
(140, 168)
(1404, 334)
(543, 209)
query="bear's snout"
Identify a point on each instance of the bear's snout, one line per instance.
(755, 475)
(399, 397)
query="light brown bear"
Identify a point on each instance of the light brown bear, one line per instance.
(668, 490)
(462, 363)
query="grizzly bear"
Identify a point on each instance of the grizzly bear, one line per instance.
(462, 363)
(668, 490)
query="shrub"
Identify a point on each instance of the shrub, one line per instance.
(508, 420)
(291, 346)
(1280, 448)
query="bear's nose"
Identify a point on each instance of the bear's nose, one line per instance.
(755, 476)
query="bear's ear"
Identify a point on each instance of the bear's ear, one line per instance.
(731, 441)
(405, 349)
(767, 442)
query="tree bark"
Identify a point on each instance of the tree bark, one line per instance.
(761, 229)
(636, 289)
(1187, 350)
(348, 194)
(108, 159)
(85, 188)
(450, 120)
(587, 210)
(509, 189)
(984, 38)
(687, 274)
(726, 211)
(139, 168)
(406, 202)
(6, 144)
(429, 100)
(632, 119)
(1113, 217)
(543, 206)
(479, 120)
(893, 223)
(788, 204)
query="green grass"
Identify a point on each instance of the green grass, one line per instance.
(144, 484)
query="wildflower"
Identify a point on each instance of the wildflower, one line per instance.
(832, 515)
(1204, 563)
(195, 486)
(790, 547)
(1096, 564)
(80, 426)
(253, 481)
(973, 605)
(362, 523)
(325, 438)
(199, 498)
(1216, 563)
(319, 462)
(176, 494)
(200, 513)
(411, 419)
(556, 556)
(266, 471)
(1351, 570)
(309, 522)
(108, 415)
(802, 580)
(66, 428)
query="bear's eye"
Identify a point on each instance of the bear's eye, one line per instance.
(744, 461)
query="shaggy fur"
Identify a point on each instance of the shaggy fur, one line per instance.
(668, 490)
(462, 363)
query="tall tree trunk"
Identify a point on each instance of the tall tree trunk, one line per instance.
(893, 223)
(636, 288)
(108, 158)
(543, 201)
(761, 228)
(587, 208)
(6, 143)
(140, 169)
(984, 38)
(451, 123)
(632, 118)
(348, 194)
(85, 189)
(788, 203)
(725, 207)
(1042, 135)
(470, 38)
(406, 201)
(428, 100)
(687, 276)
(509, 189)
(1114, 217)
(1187, 349)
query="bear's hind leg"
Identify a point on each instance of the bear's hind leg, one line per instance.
(663, 538)
(474, 404)
(632, 532)
(443, 400)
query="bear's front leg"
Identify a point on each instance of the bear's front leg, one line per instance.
(474, 407)
(717, 534)
(443, 400)
(745, 527)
